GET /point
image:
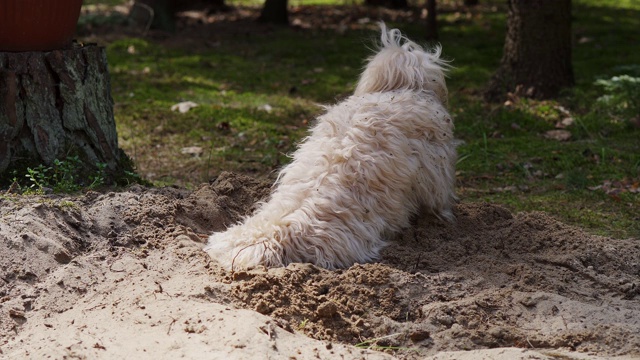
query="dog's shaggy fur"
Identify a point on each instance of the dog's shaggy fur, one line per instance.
(369, 164)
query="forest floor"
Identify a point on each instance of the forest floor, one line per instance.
(258, 88)
(543, 261)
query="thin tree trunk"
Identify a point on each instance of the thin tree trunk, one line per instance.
(56, 104)
(161, 13)
(432, 21)
(392, 4)
(536, 60)
(275, 12)
(399, 4)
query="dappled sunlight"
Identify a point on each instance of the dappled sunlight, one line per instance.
(257, 88)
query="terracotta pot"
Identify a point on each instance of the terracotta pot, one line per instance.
(37, 25)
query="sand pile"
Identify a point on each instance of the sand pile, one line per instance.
(122, 275)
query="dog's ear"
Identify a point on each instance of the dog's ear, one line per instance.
(401, 64)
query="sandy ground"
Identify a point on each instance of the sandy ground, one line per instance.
(121, 275)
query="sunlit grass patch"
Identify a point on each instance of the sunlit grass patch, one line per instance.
(258, 93)
(592, 211)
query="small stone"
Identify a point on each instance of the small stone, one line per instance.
(194, 151)
(327, 310)
(559, 135)
(419, 335)
(262, 307)
(242, 276)
(15, 313)
(446, 320)
(62, 257)
(498, 332)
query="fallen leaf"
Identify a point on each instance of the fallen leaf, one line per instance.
(564, 123)
(613, 188)
(559, 135)
(510, 188)
(266, 107)
(563, 110)
(584, 40)
(184, 106)
(194, 151)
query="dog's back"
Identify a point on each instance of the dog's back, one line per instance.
(368, 165)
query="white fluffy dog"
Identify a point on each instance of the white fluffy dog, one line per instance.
(369, 164)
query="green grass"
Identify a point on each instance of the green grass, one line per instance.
(232, 87)
(64, 176)
(504, 159)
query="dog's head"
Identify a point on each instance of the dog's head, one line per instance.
(401, 64)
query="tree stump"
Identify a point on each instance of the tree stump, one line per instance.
(57, 104)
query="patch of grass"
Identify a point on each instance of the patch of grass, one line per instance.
(66, 204)
(256, 100)
(64, 176)
(303, 324)
(505, 157)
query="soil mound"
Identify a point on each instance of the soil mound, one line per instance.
(123, 274)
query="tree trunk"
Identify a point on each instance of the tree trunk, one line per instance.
(432, 21)
(392, 4)
(536, 60)
(57, 104)
(160, 14)
(275, 12)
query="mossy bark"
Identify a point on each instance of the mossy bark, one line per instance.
(56, 104)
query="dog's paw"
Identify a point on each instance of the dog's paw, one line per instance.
(236, 253)
(220, 250)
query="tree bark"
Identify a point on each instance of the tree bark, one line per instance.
(536, 60)
(432, 21)
(275, 12)
(57, 104)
